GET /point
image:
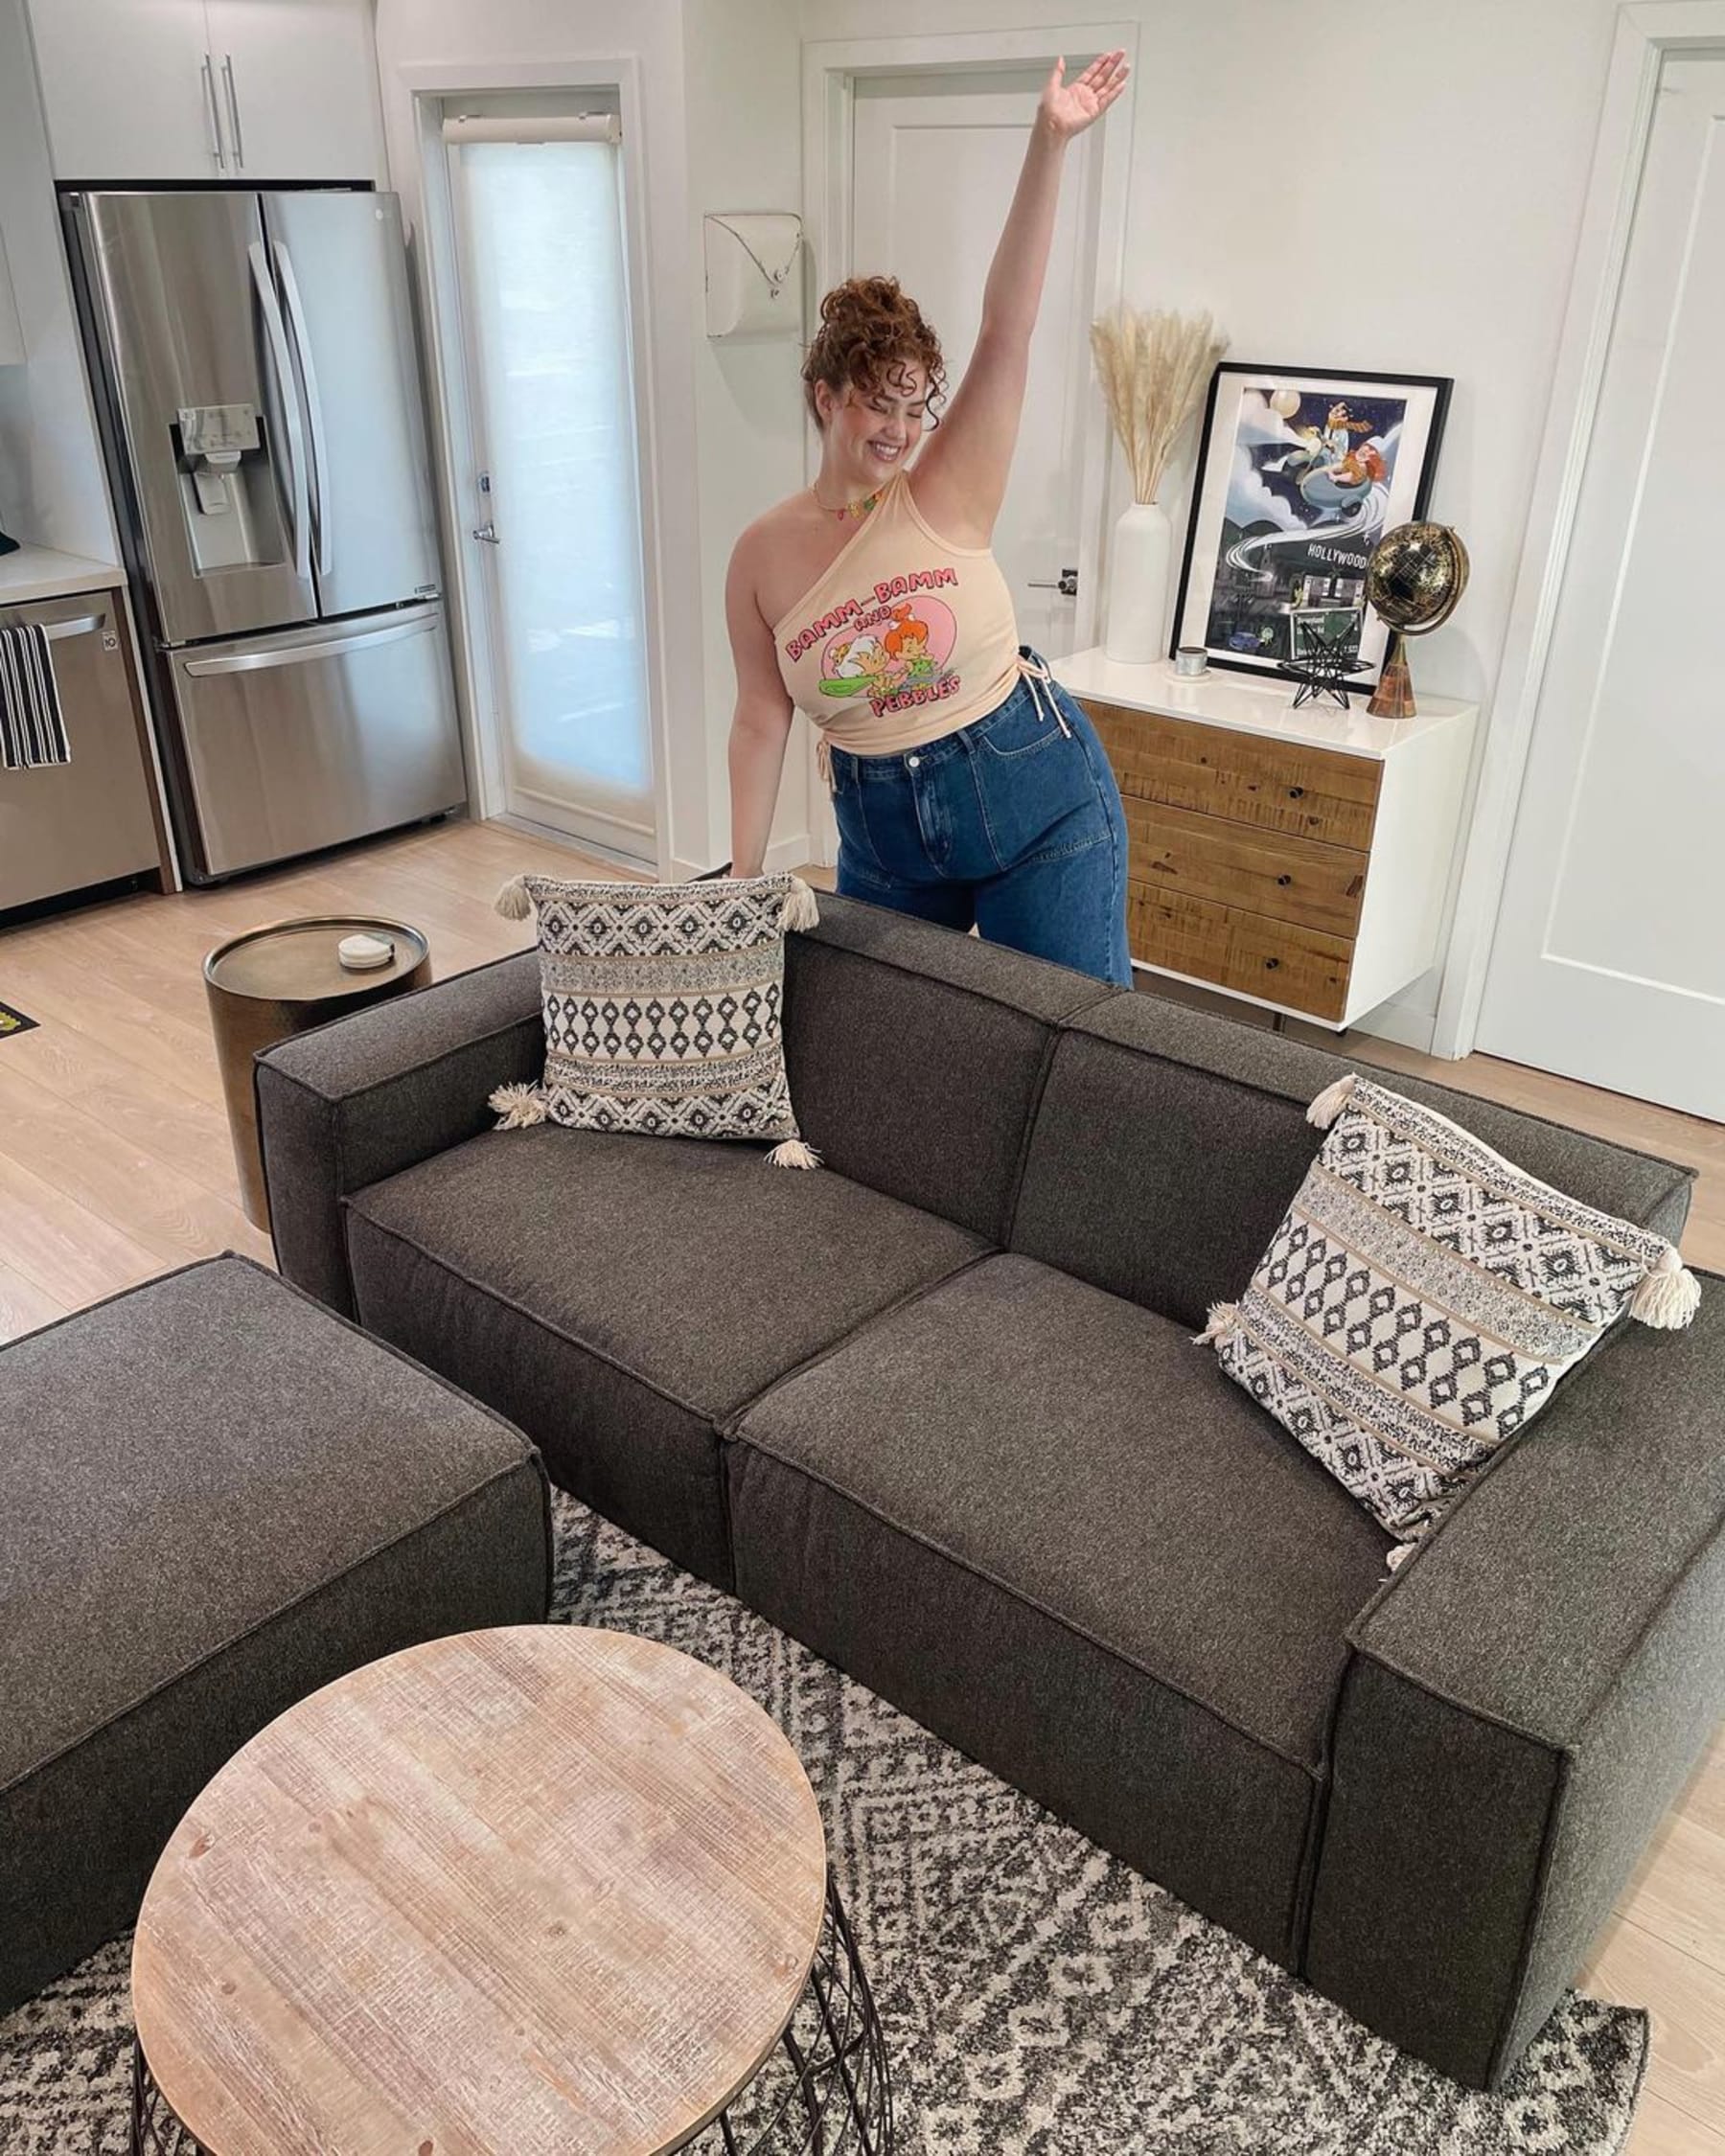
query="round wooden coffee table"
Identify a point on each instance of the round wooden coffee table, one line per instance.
(528, 1890)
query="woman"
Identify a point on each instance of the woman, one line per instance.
(969, 788)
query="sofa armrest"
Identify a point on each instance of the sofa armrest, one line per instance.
(1526, 1697)
(374, 1093)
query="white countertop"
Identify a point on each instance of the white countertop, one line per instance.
(37, 572)
(1253, 704)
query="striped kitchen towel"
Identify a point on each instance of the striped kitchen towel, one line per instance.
(32, 730)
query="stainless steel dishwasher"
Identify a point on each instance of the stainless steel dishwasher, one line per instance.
(88, 822)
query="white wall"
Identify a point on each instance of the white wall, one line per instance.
(744, 91)
(52, 489)
(1388, 186)
(1396, 186)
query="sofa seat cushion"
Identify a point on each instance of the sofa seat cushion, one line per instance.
(1038, 1517)
(217, 1498)
(621, 1297)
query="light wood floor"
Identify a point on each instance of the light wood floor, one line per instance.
(114, 1166)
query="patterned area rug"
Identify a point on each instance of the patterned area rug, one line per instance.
(14, 1022)
(1039, 1998)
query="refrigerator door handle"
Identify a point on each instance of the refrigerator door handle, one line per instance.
(307, 375)
(422, 623)
(210, 114)
(287, 397)
(233, 105)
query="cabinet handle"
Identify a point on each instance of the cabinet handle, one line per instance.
(1296, 794)
(1271, 964)
(233, 105)
(209, 86)
(1284, 880)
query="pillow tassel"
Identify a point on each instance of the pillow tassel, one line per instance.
(515, 901)
(1669, 1296)
(802, 909)
(794, 1153)
(519, 1107)
(1223, 1318)
(1330, 1103)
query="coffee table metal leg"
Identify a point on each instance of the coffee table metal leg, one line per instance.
(839, 2073)
(838, 2078)
(155, 2131)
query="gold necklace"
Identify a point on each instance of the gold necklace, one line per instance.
(857, 509)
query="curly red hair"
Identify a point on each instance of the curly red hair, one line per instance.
(870, 332)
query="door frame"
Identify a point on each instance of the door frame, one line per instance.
(1647, 30)
(663, 421)
(831, 67)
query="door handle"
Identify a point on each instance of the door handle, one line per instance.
(325, 647)
(282, 365)
(308, 376)
(1066, 584)
(233, 105)
(85, 624)
(210, 114)
(488, 531)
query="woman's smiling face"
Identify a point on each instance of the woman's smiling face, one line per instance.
(869, 433)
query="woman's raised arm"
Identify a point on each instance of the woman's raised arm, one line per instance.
(960, 477)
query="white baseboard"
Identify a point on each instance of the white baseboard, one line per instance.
(1406, 1026)
(783, 855)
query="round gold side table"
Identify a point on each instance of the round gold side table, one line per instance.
(283, 980)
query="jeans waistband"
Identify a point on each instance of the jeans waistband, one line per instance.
(1035, 680)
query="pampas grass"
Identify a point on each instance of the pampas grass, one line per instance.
(1154, 368)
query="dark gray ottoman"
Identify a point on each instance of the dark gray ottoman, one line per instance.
(215, 1497)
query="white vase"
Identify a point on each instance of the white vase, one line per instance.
(1137, 584)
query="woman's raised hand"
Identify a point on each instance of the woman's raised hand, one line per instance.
(1068, 109)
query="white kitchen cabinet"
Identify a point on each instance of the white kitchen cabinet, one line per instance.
(126, 88)
(237, 90)
(298, 81)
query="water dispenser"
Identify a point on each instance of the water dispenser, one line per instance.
(226, 493)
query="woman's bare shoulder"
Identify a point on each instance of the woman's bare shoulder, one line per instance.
(777, 555)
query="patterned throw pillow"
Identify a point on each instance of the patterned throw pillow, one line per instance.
(662, 1008)
(1421, 1298)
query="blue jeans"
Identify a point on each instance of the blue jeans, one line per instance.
(1011, 825)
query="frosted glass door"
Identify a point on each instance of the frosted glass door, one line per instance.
(546, 301)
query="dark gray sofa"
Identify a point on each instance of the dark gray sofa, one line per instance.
(936, 1412)
(217, 1499)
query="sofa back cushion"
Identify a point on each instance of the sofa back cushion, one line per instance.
(915, 1055)
(1168, 1142)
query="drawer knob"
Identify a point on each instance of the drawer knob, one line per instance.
(1296, 794)
(1271, 964)
(1284, 880)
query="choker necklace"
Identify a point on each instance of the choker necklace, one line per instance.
(857, 509)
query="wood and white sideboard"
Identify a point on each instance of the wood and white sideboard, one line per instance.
(1298, 859)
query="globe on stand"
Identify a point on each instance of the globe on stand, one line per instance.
(1415, 575)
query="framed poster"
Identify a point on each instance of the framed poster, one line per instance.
(1300, 472)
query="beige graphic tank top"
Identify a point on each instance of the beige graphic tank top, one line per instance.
(902, 639)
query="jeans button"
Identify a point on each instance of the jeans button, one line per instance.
(914, 762)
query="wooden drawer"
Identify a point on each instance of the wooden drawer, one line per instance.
(1246, 778)
(1280, 961)
(1266, 872)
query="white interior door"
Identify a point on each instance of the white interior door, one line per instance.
(1608, 962)
(545, 303)
(935, 163)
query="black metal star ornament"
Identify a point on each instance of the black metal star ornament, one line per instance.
(1322, 671)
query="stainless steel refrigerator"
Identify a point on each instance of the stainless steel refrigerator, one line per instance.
(252, 358)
